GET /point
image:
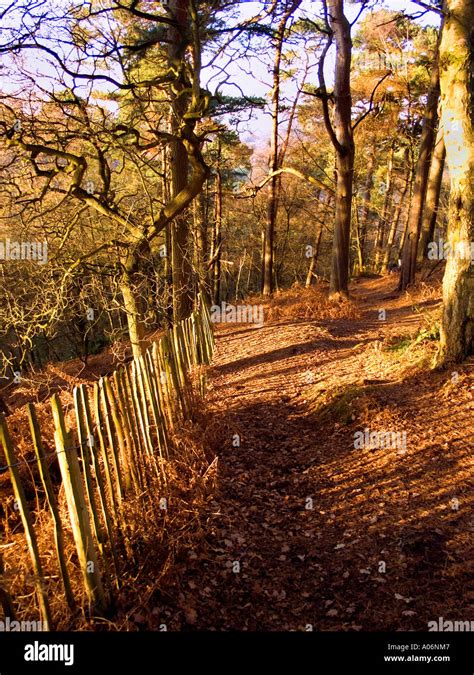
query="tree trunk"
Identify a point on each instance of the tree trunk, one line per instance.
(343, 141)
(168, 280)
(457, 102)
(276, 158)
(430, 123)
(340, 253)
(133, 304)
(314, 258)
(200, 242)
(433, 192)
(181, 264)
(365, 210)
(379, 246)
(180, 259)
(358, 263)
(217, 234)
(269, 237)
(396, 219)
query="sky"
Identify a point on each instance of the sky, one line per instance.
(256, 131)
(253, 77)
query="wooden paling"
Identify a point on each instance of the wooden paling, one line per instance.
(129, 428)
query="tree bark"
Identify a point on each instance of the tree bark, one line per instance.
(379, 246)
(430, 122)
(200, 242)
(433, 193)
(276, 158)
(457, 104)
(133, 303)
(168, 269)
(396, 218)
(216, 255)
(180, 258)
(365, 210)
(314, 259)
(343, 140)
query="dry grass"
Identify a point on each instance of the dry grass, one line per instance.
(308, 304)
(152, 537)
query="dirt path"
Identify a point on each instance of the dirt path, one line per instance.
(306, 530)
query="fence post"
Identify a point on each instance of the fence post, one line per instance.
(120, 434)
(136, 424)
(105, 457)
(148, 377)
(142, 409)
(27, 522)
(128, 429)
(81, 527)
(51, 500)
(98, 478)
(86, 462)
(163, 378)
(110, 434)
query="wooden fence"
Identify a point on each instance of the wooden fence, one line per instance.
(121, 435)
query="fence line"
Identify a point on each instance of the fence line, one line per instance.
(124, 425)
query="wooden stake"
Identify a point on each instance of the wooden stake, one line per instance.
(86, 463)
(128, 429)
(99, 480)
(142, 409)
(52, 504)
(161, 378)
(140, 445)
(27, 523)
(81, 526)
(111, 437)
(105, 457)
(146, 369)
(119, 431)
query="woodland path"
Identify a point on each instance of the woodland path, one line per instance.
(321, 566)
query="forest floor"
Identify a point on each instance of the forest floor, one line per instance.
(307, 532)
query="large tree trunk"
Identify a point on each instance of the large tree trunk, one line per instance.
(133, 302)
(344, 145)
(457, 101)
(180, 258)
(430, 123)
(340, 253)
(181, 264)
(168, 271)
(433, 193)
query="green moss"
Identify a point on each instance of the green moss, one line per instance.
(338, 406)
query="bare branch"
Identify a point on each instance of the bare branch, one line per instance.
(371, 103)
